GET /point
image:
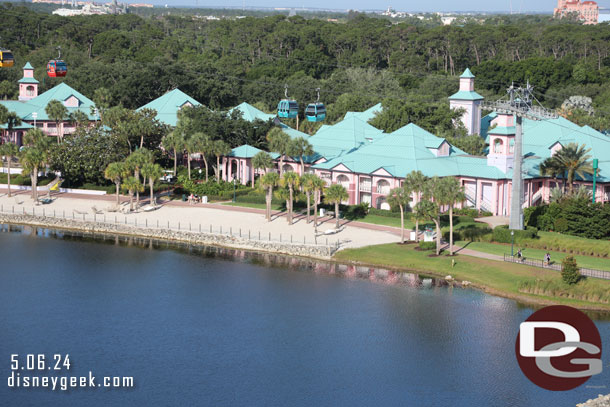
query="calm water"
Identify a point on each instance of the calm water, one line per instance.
(201, 329)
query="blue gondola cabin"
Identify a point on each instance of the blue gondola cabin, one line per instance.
(288, 109)
(57, 68)
(315, 112)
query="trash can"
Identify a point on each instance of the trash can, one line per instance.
(204, 199)
(322, 212)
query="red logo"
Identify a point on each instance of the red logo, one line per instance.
(559, 348)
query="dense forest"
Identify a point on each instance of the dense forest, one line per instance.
(356, 64)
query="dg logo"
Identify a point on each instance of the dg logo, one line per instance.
(559, 348)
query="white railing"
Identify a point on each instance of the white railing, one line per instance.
(365, 187)
(384, 190)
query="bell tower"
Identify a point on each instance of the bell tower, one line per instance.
(502, 142)
(28, 85)
(469, 100)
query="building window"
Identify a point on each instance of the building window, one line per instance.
(498, 146)
(29, 91)
(511, 146)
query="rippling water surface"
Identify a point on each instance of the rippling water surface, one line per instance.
(218, 327)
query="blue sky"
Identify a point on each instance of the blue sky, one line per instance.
(403, 5)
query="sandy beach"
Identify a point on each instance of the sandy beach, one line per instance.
(184, 216)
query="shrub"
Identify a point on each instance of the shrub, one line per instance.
(501, 234)
(561, 225)
(471, 212)
(427, 245)
(383, 212)
(471, 233)
(569, 270)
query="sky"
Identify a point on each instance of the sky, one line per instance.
(400, 5)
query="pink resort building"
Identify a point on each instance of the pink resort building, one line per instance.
(587, 11)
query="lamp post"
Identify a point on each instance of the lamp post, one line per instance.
(512, 242)
(233, 189)
(595, 166)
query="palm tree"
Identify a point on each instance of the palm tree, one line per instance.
(415, 182)
(203, 144)
(452, 193)
(279, 142)
(115, 172)
(290, 180)
(261, 160)
(575, 160)
(220, 148)
(152, 172)
(552, 168)
(132, 185)
(190, 146)
(318, 187)
(34, 156)
(434, 189)
(429, 210)
(309, 184)
(300, 147)
(9, 150)
(336, 193)
(102, 98)
(400, 197)
(268, 182)
(135, 162)
(174, 141)
(56, 112)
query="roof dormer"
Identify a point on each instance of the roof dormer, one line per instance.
(72, 101)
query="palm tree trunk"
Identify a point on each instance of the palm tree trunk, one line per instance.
(402, 225)
(8, 176)
(290, 209)
(437, 222)
(451, 230)
(308, 204)
(205, 161)
(57, 128)
(269, 198)
(337, 215)
(302, 166)
(151, 181)
(137, 176)
(175, 163)
(218, 169)
(188, 159)
(315, 212)
(131, 201)
(281, 165)
(34, 178)
(416, 230)
(118, 186)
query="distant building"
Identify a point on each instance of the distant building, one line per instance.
(587, 11)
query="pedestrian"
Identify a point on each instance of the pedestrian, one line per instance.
(547, 259)
(519, 255)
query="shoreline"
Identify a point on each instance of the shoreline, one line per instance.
(321, 253)
(318, 252)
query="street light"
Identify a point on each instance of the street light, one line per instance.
(595, 167)
(233, 189)
(512, 242)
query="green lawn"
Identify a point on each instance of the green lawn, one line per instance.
(459, 222)
(498, 277)
(500, 249)
(253, 205)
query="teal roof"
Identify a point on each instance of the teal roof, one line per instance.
(28, 66)
(408, 149)
(292, 132)
(467, 74)
(540, 135)
(168, 105)
(466, 95)
(22, 126)
(367, 115)
(28, 80)
(245, 151)
(251, 113)
(346, 136)
(503, 130)
(61, 92)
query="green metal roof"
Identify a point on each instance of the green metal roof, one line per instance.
(408, 149)
(167, 106)
(244, 151)
(251, 113)
(503, 130)
(467, 74)
(28, 80)
(292, 132)
(344, 137)
(61, 92)
(466, 95)
(22, 126)
(28, 66)
(367, 115)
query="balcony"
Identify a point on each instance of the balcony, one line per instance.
(365, 187)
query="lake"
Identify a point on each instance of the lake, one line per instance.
(220, 327)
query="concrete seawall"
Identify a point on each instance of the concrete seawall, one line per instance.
(205, 239)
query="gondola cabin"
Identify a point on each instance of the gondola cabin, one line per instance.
(6, 58)
(288, 108)
(57, 68)
(315, 112)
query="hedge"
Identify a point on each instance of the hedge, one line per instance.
(502, 234)
(427, 245)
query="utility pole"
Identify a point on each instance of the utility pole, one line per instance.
(519, 102)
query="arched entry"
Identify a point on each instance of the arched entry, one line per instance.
(287, 168)
(382, 203)
(383, 187)
(234, 169)
(343, 180)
